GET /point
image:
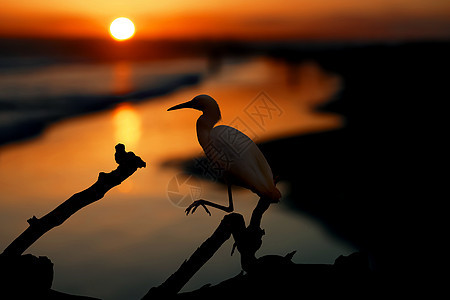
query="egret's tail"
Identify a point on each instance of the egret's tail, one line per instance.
(276, 179)
(274, 195)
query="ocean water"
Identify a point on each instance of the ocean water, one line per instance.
(35, 94)
(59, 123)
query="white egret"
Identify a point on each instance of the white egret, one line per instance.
(235, 154)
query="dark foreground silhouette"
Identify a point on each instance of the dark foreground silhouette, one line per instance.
(270, 275)
(30, 277)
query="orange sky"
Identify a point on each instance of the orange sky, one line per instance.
(312, 19)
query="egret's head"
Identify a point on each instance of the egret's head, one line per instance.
(204, 103)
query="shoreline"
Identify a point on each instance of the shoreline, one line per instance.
(30, 123)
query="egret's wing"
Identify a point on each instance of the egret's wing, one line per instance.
(225, 147)
(232, 142)
(239, 156)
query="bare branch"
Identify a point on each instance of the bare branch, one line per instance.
(128, 164)
(248, 241)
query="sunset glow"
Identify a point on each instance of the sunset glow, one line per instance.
(326, 19)
(122, 29)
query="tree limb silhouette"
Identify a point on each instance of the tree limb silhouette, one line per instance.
(128, 164)
(269, 275)
(247, 240)
(189, 267)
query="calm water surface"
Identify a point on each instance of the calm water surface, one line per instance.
(136, 236)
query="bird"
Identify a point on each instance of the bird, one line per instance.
(238, 158)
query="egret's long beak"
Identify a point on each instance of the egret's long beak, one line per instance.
(182, 105)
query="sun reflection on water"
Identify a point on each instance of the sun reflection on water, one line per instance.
(127, 125)
(122, 83)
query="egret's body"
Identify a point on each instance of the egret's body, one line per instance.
(242, 161)
(234, 154)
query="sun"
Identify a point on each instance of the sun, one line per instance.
(122, 29)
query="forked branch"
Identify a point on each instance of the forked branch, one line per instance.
(247, 240)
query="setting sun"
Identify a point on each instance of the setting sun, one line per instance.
(122, 29)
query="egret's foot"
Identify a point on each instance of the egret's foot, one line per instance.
(191, 208)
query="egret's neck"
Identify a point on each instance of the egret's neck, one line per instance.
(205, 124)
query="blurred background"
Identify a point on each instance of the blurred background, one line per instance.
(330, 90)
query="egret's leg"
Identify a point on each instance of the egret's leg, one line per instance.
(191, 208)
(230, 199)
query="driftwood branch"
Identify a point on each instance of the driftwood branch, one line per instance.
(269, 275)
(189, 267)
(128, 164)
(247, 240)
